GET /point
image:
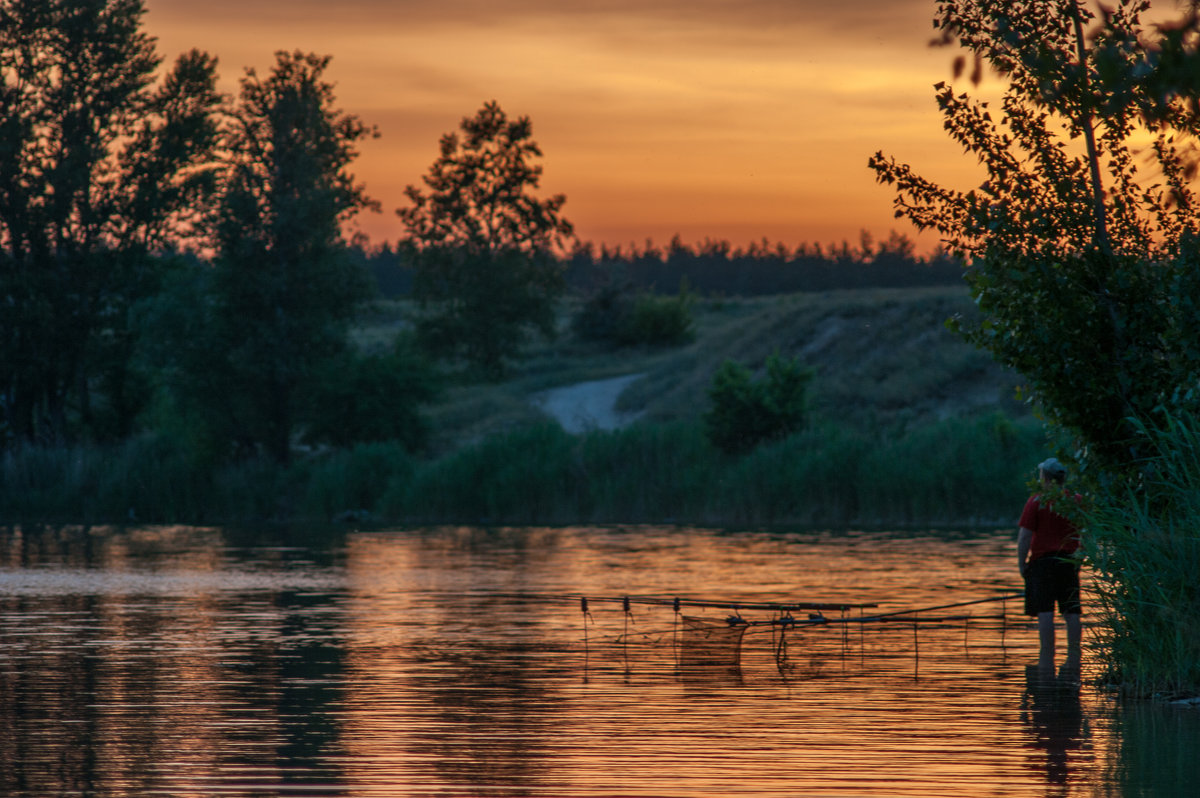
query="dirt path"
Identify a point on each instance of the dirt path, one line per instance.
(587, 405)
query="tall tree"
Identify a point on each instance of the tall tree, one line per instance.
(1083, 246)
(486, 273)
(98, 170)
(284, 287)
(1081, 242)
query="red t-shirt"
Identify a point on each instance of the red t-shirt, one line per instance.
(1052, 533)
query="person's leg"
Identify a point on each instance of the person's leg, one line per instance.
(1046, 631)
(1071, 609)
(1074, 623)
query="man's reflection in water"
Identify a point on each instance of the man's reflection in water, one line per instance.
(1051, 710)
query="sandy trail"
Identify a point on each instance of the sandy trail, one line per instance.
(587, 405)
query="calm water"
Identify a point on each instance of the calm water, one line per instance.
(457, 662)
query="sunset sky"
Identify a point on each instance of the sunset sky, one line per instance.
(733, 119)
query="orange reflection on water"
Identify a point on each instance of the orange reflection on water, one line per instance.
(456, 683)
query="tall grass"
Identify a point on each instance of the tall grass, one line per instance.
(1143, 542)
(958, 472)
(518, 476)
(144, 479)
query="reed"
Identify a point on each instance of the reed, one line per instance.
(650, 472)
(518, 476)
(957, 472)
(960, 472)
(351, 483)
(1143, 543)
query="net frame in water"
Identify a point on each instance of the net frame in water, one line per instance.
(707, 642)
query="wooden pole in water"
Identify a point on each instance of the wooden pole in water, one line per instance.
(862, 639)
(675, 634)
(625, 637)
(916, 652)
(583, 606)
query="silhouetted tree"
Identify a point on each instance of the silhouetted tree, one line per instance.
(486, 274)
(1086, 274)
(275, 308)
(99, 169)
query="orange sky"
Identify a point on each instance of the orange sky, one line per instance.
(734, 119)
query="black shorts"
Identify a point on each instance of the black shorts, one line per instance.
(1049, 580)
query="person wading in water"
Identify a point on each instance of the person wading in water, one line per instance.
(1046, 545)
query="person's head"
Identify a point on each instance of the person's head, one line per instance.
(1050, 470)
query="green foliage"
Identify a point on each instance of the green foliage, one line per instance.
(651, 472)
(659, 321)
(612, 315)
(1083, 271)
(521, 476)
(746, 412)
(1143, 545)
(484, 306)
(98, 169)
(958, 472)
(363, 398)
(283, 288)
(485, 273)
(355, 480)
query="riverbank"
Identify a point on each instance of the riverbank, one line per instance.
(909, 426)
(962, 473)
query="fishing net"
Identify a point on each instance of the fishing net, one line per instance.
(708, 643)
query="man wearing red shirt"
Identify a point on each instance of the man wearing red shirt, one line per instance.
(1046, 545)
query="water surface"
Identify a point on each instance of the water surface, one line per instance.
(190, 662)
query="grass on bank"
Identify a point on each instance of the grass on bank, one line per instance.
(1143, 543)
(959, 472)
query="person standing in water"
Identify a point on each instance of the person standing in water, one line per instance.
(1046, 545)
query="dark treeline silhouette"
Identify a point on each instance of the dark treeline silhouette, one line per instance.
(717, 267)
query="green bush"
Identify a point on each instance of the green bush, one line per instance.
(612, 315)
(746, 412)
(959, 471)
(360, 399)
(658, 321)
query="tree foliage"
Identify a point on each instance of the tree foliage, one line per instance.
(99, 168)
(274, 310)
(746, 412)
(615, 315)
(485, 275)
(370, 398)
(1081, 242)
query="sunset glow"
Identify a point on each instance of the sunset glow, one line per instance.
(710, 120)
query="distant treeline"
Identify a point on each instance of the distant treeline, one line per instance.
(717, 267)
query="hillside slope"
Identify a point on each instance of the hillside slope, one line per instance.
(883, 357)
(880, 356)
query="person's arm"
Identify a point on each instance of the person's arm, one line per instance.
(1024, 539)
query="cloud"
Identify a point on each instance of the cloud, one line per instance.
(651, 113)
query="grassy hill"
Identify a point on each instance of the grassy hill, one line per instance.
(883, 359)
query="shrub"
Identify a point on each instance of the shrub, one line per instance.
(658, 321)
(612, 315)
(360, 399)
(746, 412)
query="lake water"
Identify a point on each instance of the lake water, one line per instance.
(459, 662)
